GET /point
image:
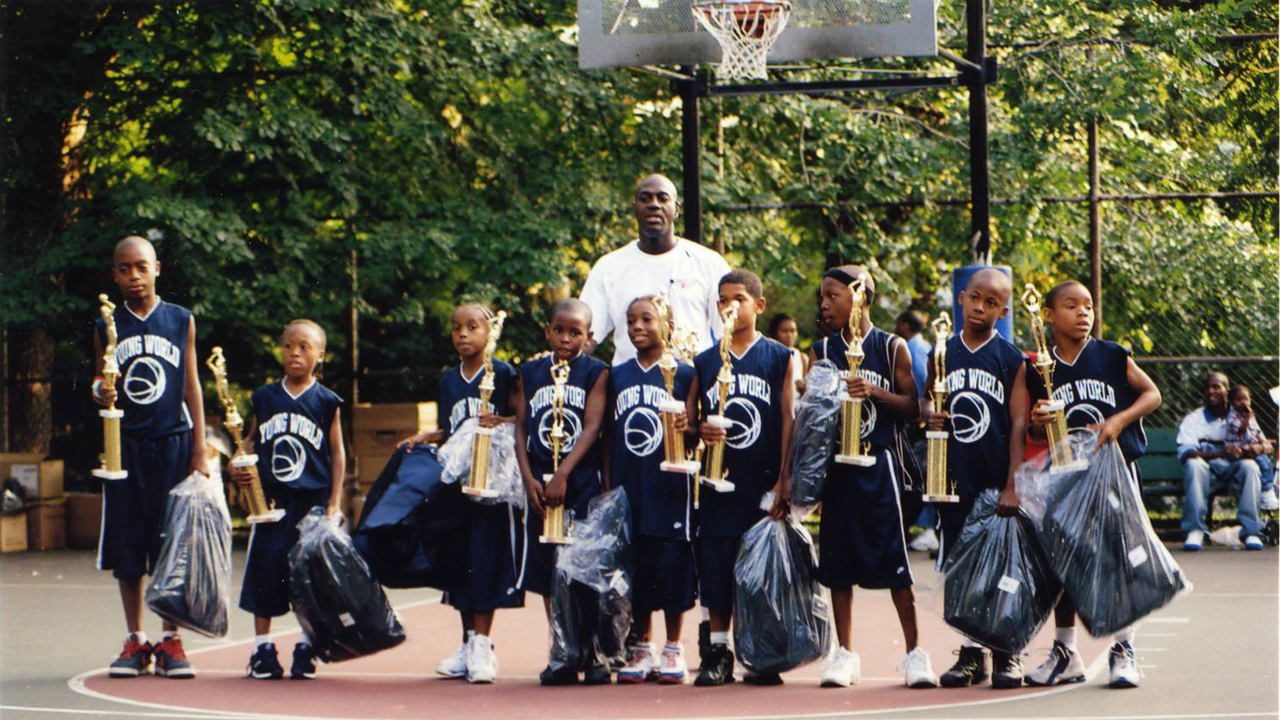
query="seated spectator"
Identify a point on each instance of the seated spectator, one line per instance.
(1244, 433)
(1210, 464)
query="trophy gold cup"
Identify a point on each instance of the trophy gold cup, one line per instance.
(938, 487)
(111, 467)
(674, 457)
(716, 476)
(478, 479)
(553, 530)
(1061, 457)
(851, 449)
(260, 510)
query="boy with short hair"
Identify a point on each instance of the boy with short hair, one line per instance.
(759, 411)
(987, 394)
(861, 540)
(161, 443)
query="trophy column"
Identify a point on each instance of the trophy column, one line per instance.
(478, 477)
(938, 486)
(1062, 457)
(112, 465)
(553, 529)
(851, 450)
(259, 508)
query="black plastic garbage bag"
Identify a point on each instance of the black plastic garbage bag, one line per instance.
(413, 529)
(999, 588)
(334, 596)
(591, 603)
(191, 585)
(782, 615)
(1097, 538)
(814, 435)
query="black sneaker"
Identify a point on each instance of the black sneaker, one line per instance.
(970, 669)
(134, 660)
(704, 641)
(597, 675)
(762, 679)
(1006, 671)
(717, 667)
(559, 676)
(264, 664)
(304, 663)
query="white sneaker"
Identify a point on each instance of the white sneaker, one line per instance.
(1062, 666)
(843, 669)
(672, 669)
(642, 667)
(1253, 542)
(454, 666)
(1194, 541)
(927, 540)
(1125, 672)
(1268, 500)
(482, 664)
(919, 671)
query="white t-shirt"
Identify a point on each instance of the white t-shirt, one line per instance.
(689, 273)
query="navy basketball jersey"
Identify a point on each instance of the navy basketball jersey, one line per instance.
(293, 435)
(535, 376)
(753, 449)
(460, 395)
(877, 369)
(978, 383)
(661, 502)
(1093, 388)
(152, 354)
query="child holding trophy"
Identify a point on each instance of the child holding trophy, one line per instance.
(661, 501)
(1100, 386)
(161, 441)
(756, 407)
(297, 430)
(986, 421)
(861, 528)
(493, 549)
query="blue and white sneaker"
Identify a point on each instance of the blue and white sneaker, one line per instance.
(264, 663)
(134, 659)
(1061, 667)
(1253, 542)
(642, 668)
(1125, 672)
(1194, 541)
(672, 669)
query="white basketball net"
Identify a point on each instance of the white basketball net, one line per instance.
(745, 30)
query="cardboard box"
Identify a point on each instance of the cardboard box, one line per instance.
(47, 525)
(13, 533)
(394, 416)
(42, 479)
(84, 520)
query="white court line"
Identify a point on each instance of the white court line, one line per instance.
(1168, 620)
(1151, 634)
(130, 713)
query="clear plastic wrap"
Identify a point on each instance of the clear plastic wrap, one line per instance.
(191, 585)
(1097, 538)
(814, 435)
(334, 596)
(591, 603)
(782, 615)
(413, 529)
(999, 588)
(504, 471)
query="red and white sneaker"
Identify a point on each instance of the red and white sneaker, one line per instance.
(134, 660)
(171, 659)
(672, 669)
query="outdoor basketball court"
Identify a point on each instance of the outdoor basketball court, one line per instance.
(1211, 654)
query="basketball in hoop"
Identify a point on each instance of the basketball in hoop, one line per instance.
(745, 31)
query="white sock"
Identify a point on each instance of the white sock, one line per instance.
(1066, 636)
(167, 634)
(306, 640)
(1125, 636)
(720, 638)
(260, 640)
(969, 643)
(674, 647)
(141, 637)
(470, 634)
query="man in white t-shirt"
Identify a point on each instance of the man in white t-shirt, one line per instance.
(656, 262)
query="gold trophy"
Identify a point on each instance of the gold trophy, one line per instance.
(111, 468)
(553, 530)
(478, 479)
(260, 510)
(851, 449)
(674, 457)
(1061, 457)
(938, 488)
(717, 476)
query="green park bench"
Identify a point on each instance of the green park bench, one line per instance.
(1160, 471)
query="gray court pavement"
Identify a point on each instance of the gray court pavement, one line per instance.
(1212, 654)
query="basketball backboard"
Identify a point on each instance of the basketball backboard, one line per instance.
(621, 33)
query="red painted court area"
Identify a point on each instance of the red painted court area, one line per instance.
(400, 683)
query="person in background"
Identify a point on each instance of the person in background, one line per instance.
(908, 327)
(784, 329)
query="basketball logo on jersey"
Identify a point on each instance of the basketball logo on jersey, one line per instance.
(288, 459)
(744, 423)
(642, 432)
(145, 381)
(572, 428)
(970, 417)
(868, 418)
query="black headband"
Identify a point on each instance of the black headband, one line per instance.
(840, 274)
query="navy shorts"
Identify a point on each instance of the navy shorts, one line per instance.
(664, 577)
(538, 568)
(266, 567)
(133, 509)
(716, 559)
(494, 545)
(860, 535)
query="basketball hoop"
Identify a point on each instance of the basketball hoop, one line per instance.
(745, 30)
